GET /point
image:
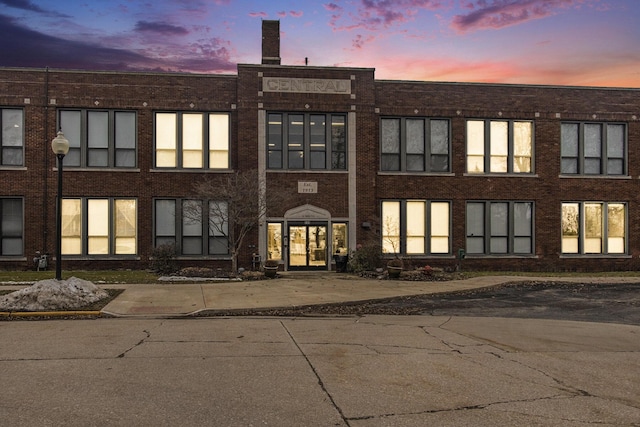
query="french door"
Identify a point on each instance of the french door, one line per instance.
(308, 246)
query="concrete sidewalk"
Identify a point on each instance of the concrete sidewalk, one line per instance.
(291, 290)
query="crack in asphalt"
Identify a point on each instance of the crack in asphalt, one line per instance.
(139, 343)
(317, 375)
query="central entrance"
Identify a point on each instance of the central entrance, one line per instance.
(307, 246)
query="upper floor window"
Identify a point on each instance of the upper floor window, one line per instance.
(499, 146)
(499, 228)
(99, 226)
(99, 138)
(190, 228)
(307, 141)
(414, 145)
(192, 140)
(416, 227)
(593, 149)
(12, 141)
(11, 227)
(594, 228)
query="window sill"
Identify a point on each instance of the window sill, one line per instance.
(99, 257)
(105, 169)
(595, 256)
(577, 176)
(401, 173)
(502, 175)
(498, 256)
(8, 258)
(315, 171)
(189, 170)
(13, 168)
(202, 257)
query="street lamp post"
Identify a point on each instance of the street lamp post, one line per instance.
(60, 147)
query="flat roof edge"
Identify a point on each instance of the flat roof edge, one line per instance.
(532, 85)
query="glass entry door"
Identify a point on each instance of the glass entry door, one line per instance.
(308, 246)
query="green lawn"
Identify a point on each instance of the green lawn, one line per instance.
(97, 277)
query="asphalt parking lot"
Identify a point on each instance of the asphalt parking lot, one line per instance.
(590, 302)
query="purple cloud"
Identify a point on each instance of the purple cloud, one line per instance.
(377, 15)
(27, 5)
(23, 47)
(497, 14)
(161, 27)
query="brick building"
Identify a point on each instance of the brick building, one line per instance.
(519, 177)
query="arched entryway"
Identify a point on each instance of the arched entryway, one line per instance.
(306, 238)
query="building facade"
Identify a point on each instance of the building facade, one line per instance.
(516, 177)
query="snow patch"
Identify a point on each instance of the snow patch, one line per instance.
(51, 295)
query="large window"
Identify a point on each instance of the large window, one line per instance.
(307, 141)
(12, 138)
(195, 227)
(499, 228)
(11, 227)
(99, 226)
(414, 145)
(499, 146)
(192, 140)
(594, 149)
(594, 228)
(99, 139)
(416, 227)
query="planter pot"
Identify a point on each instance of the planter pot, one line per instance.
(394, 272)
(270, 271)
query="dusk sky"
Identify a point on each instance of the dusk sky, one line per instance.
(557, 42)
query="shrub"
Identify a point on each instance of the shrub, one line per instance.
(365, 258)
(163, 259)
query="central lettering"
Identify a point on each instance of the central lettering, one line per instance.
(329, 86)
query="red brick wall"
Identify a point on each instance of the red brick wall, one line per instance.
(243, 98)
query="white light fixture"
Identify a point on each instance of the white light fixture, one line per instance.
(60, 144)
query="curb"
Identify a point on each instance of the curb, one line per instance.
(8, 314)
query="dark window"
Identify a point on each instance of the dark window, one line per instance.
(99, 139)
(12, 138)
(414, 144)
(306, 141)
(594, 149)
(499, 228)
(11, 227)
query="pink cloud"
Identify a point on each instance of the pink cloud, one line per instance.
(332, 7)
(374, 15)
(495, 14)
(258, 14)
(377, 15)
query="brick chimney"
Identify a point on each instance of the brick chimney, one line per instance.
(271, 42)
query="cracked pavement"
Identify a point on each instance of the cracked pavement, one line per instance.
(320, 371)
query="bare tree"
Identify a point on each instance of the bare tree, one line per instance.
(233, 205)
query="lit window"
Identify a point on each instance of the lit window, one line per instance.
(192, 140)
(594, 228)
(274, 240)
(499, 146)
(99, 226)
(416, 227)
